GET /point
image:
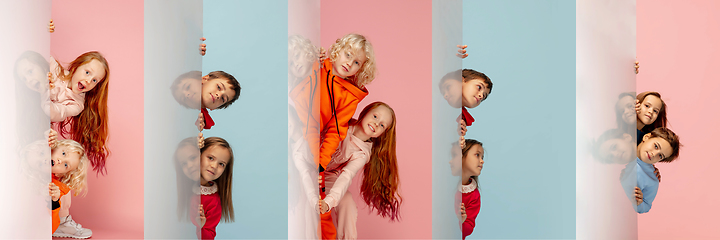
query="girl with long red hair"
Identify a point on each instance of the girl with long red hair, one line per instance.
(370, 147)
(78, 100)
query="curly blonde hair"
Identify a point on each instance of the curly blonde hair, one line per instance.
(355, 43)
(76, 179)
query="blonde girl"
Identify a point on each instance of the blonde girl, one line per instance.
(69, 172)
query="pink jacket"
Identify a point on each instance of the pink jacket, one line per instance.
(348, 159)
(60, 102)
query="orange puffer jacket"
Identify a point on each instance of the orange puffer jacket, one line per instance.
(325, 104)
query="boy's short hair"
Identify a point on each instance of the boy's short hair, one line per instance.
(234, 85)
(670, 137)
(470, 74)
(454, 75)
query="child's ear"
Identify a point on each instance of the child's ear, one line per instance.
(205, 78)
(646, 137)
(463, 79)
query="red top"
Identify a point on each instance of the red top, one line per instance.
(208, 120)
(213, 214)
(325, 105)
(472, 208)
(467, 117)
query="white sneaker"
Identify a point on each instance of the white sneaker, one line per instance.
(71, 229)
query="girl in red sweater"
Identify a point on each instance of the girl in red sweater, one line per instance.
(216, 164)
(472, 157)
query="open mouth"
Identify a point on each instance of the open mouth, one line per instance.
(371, 127)
(81, 86)
(52, 163)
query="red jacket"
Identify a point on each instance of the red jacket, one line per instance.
(325, 104)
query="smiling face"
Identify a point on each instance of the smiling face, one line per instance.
(473, 161)
(375, 122)
(649, 109)
(63, 160)
(87, 76)
(216, 92)
(473, 92)
(188, 91)
(348, 63)
(653, 150)
(212, 163)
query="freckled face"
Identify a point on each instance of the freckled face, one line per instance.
(376, 121)
(87, 76)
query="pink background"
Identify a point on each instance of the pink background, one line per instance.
(113, 207)
(401, 34)
(679, 57)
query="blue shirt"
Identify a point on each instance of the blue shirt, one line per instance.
(642, 175)
(648, 184)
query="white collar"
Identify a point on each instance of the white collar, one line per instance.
(470, 187)
(206, 190)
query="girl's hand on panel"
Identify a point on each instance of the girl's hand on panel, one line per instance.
(462, 142)
(51, 26)
(638, 195)
(54, 192)
(462, 53)
(637, 106)
(52, 138)
(203, 47)
(657, 172)
(463, 214)
(201, 141)
(201, 216)
(637, 67)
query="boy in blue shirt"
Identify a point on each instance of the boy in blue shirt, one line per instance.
(660, 145)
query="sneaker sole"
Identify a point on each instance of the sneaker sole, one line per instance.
(69, 236)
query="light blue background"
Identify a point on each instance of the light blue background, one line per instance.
(527, 124)
(248, 39)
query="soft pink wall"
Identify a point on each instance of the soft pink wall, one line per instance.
(401, 33)
(679, 54)
(113, 207)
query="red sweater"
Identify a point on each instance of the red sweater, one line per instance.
(213, 214)
(472, 208)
